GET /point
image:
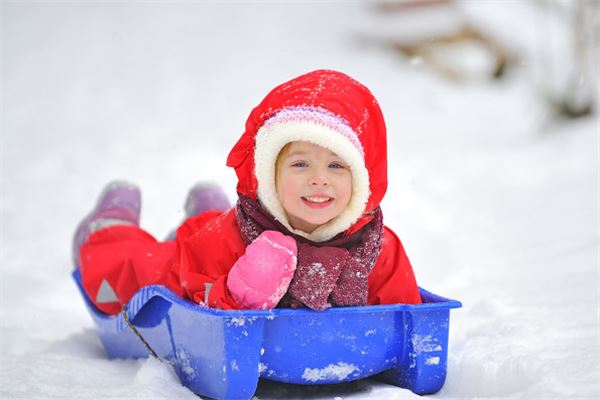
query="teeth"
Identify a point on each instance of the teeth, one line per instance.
(317, 199)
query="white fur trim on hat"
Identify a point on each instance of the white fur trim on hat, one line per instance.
(322, 128)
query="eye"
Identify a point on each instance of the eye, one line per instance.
(337, 165)
(299, 164)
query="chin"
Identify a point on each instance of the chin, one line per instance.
(318, 221)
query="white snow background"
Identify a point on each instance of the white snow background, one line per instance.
(495, 200)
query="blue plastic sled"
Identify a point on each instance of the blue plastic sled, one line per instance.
(222, 354)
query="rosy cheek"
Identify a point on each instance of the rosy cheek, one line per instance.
(291, 192)
(287, 193)
(347, 193)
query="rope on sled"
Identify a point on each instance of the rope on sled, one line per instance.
(135, 331)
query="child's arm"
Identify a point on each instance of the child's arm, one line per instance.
(260, 277)
(217, 269)
(392, 279)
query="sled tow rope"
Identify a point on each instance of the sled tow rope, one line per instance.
(135, 331)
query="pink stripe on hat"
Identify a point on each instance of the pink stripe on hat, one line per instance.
(319, 116)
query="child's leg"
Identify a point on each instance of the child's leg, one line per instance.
(203, 196)
(118, 204)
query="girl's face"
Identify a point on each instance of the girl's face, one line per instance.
(314, 185)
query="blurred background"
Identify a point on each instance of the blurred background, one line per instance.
(492, 116)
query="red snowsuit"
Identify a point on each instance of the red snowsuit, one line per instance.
(208, 245)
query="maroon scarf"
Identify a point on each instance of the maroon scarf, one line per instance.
(328, 273)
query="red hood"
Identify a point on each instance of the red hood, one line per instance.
(336, 93)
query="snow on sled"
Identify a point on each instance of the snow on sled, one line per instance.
(222, 354)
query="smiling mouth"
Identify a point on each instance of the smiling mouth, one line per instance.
(317, 199)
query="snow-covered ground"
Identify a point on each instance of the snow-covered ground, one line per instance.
(496, 202)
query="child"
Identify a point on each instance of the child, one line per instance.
(307, 230)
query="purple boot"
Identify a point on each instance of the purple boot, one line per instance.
(118, 204)
(203, 196)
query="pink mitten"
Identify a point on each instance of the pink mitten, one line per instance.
(260, 277)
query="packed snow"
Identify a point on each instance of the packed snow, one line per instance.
(339, 371)
(494, 198)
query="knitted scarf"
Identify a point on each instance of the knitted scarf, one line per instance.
(329, 273)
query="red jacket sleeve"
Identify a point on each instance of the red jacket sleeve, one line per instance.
(392, 280)
(209, 245)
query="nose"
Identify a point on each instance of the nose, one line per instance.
(319, 178)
